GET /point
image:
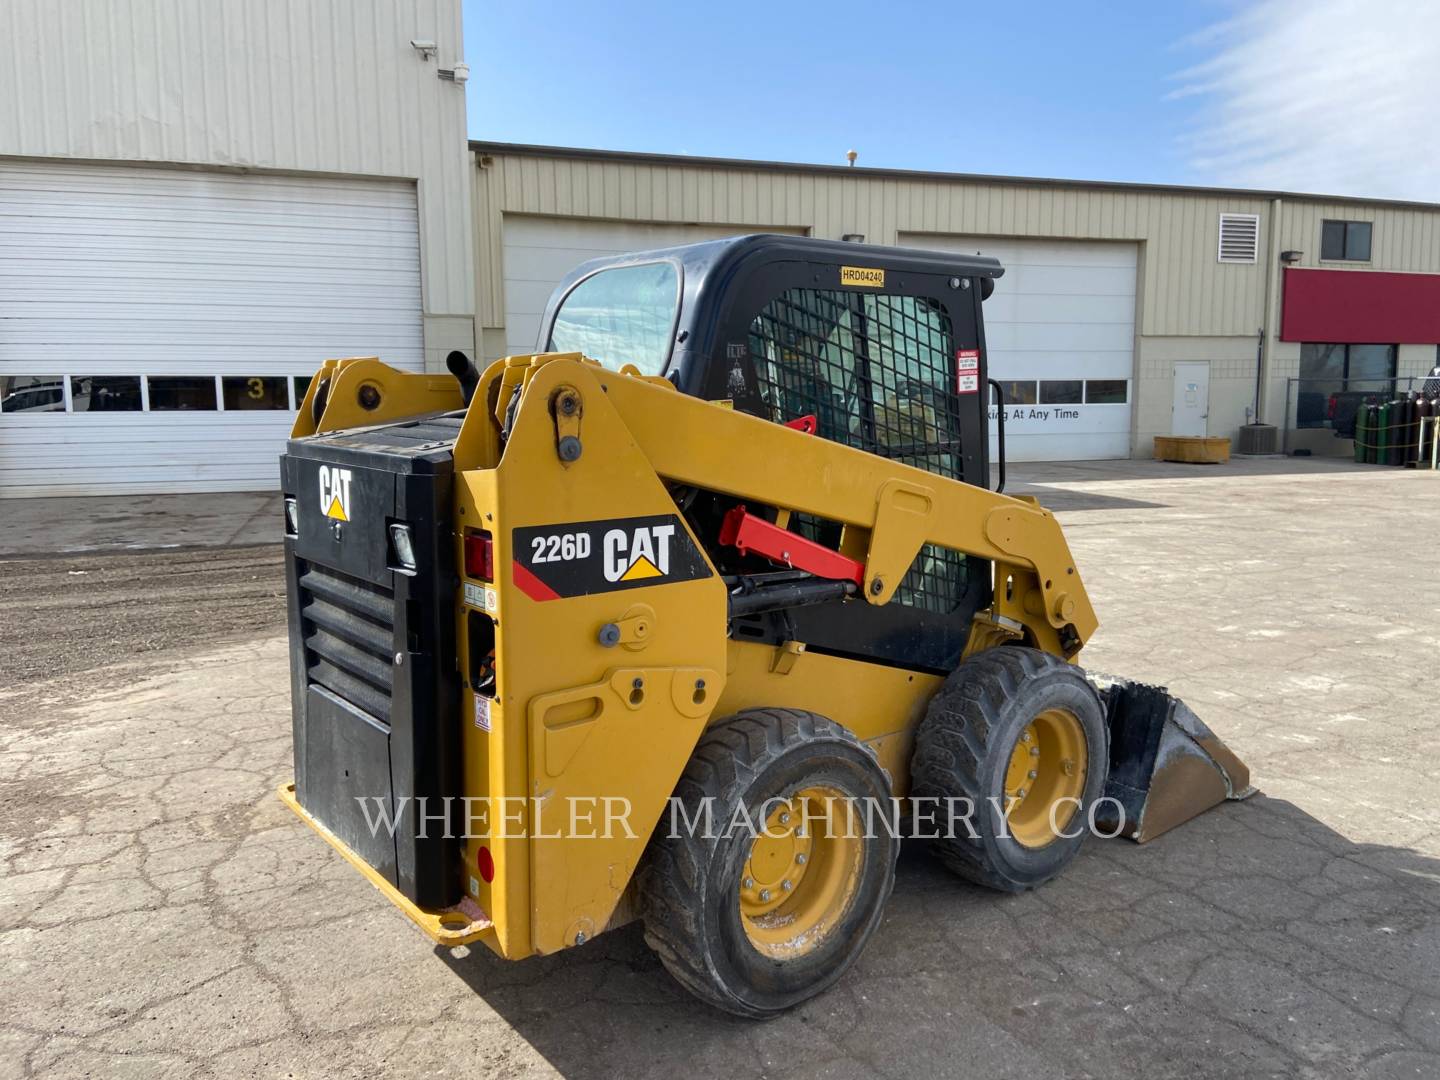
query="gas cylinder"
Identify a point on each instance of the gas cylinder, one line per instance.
(1427, 425)
(1382, 434)
(1412, 431)
(1423, 431)
(1362, 431)
(1399, 430)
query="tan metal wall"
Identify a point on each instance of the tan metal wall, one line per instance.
(328, 86)
(1184, 290)
(1403, 238)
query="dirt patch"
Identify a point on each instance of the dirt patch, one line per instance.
(60, 616)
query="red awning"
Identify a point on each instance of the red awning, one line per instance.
(1356, 307)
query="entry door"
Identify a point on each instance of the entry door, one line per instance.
(1192, 398)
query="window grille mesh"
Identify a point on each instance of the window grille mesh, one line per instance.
(877, 373)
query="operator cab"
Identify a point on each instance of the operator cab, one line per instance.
(883, 347)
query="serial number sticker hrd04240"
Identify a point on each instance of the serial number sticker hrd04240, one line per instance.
(583, 557)
(868, 276)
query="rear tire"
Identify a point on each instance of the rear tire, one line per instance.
(1019, 728)
(757, 924)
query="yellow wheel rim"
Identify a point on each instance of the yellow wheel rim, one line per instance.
(802, 872)
(1047, 764)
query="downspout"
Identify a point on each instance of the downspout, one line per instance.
(1267, 335)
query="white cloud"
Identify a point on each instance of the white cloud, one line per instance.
(1334, 96)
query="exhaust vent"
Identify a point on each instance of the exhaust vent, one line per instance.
(1239, 237)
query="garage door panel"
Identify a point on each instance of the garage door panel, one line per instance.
(1007, 338)
(1065, 281)
(1052, 253)
(1064, 310)
(1025, 307)
(529, 297)
(544, 265)
(1060, 364)
(136, 359)
(109, 270)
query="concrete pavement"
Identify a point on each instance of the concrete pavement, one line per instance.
(162, 915)
(74, 526)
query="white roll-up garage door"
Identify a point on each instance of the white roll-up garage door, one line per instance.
(540, 251)
(1060, 331)
(157, 325)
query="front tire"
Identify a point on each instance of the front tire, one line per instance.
(757, 922)
(1021, 730)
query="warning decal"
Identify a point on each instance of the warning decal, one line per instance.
(584, 557)
(967, 371)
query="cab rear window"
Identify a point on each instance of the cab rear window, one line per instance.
(623, 315)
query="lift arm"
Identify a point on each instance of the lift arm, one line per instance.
(890, 509)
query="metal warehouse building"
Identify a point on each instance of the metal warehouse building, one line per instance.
(1126, 310)
(200, 204)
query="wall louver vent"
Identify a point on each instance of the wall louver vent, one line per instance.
(1239, 237)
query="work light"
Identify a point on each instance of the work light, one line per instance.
(404, 547)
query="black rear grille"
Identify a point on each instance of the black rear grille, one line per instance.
(348, 627)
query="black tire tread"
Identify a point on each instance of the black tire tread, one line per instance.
(729, 756)
(954, 739)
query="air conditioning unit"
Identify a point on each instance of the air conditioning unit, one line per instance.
(1257, 439)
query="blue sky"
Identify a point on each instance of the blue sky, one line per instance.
(1214, 92)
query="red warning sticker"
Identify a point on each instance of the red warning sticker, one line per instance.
(967, 371)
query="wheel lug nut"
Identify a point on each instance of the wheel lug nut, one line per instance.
(1025, 737)
(748, 883)
(801, 860)
(1020, 794)
(786, 885)
(1034, 751)
(764, 895)
(784, 819)
(1031, 774)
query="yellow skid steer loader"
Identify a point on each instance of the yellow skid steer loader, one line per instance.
(690, 616)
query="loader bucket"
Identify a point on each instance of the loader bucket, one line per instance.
(1166, 766)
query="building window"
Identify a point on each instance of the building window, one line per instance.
(1017, 391)
(189, 393)
(1061, 392)
(245, 392)
(105, 393)
(1345, 241)
(1105, 391)
(32, 393)
(1371, 364)
(1333, 378)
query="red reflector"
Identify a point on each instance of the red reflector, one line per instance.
(485, 863)
(479, 556)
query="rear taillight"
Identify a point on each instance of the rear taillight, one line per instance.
(479, 556)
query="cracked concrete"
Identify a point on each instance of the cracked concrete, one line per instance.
(162, 915)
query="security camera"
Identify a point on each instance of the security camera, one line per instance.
(426, 49)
